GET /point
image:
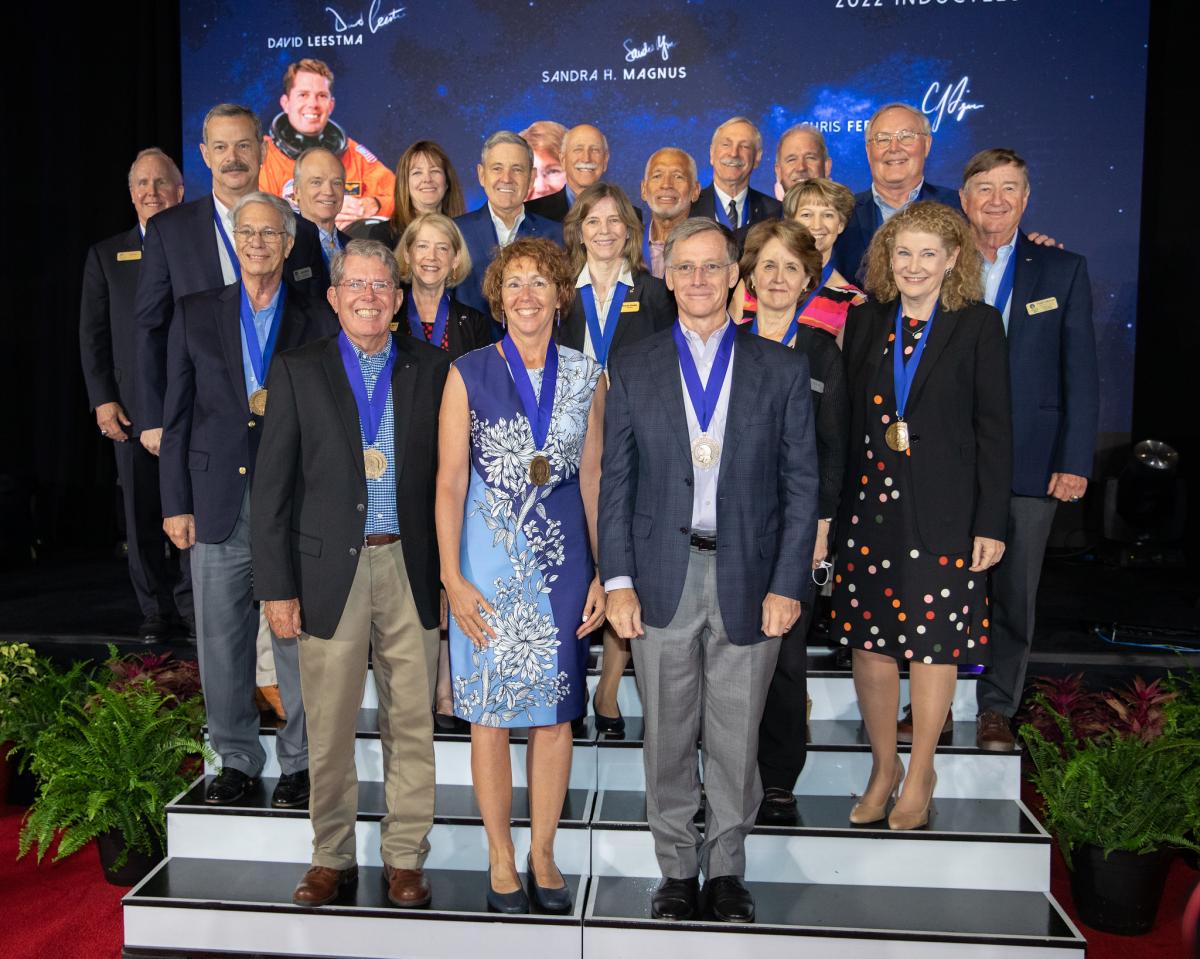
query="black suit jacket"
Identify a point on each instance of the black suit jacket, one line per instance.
(466, 330)
(655, 311)
(959, 415)
(851, 246)
(553, 206)
(210, 437)
(305, 267)
(308, 502)
(761, 206)
(106, 347)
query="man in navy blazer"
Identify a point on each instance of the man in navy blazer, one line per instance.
(708, 509)
(898, 142)
(106, 352)
(735, 153)
(221, 346)
(319, 182)
(1046, 299)
(504, 171)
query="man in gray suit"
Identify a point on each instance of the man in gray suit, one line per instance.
(708, 506)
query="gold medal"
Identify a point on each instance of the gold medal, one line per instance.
(539, 471)
(258, 402)
(706, 452)
(896, 436)
(374, 462)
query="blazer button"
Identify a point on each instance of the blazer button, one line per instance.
(251, 424)
(688, 481)
(242, 470)
(361, 508)
(683, 529)
(353, 551)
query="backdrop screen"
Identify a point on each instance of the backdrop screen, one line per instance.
(1061, 81)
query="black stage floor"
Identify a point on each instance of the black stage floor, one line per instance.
(70, 606)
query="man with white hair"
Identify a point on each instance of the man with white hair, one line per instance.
(735, 153)
(670, 186)
(585, 160)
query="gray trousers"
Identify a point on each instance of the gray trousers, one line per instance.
(690, 676)
(1013, 595)
(226, 628)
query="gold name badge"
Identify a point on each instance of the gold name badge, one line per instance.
(630, 306)
(124, 255)
(1041, 306)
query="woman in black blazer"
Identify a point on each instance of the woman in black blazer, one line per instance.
(781, 268)
(433, 256)
(924, 507)
(617, 303)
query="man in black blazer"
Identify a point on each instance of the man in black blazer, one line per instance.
(107, 355)
(898, 142)
(735, 153)
(347, 468)
(319, 181)
(190, 250)
(1045, 297)
(221, 345)
(584, 159)
(708, 510)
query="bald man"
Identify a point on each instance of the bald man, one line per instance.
(585, 160)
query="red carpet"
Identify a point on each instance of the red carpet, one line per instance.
(67, 911)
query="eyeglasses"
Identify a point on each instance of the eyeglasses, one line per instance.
(266, 234)
(905, 137)
(377, 286)
(538, 284)
(706, 269)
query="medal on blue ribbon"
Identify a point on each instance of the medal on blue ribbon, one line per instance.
(539, 410)
(1004, 290)
(370, 408)
(602, 339)
(237, 267)
(903, 373)
(439, 323)
(706, 450)
(260, 357)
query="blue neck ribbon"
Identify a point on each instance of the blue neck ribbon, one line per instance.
(1004, 290)
(602, 339)
(538, 410)
(723, 215)
(704, 398)
(237, 267)
(439, 323)
(904, 371)
(260, 357)
(370, 408)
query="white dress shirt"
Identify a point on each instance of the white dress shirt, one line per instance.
(228, 272)
(739, 201)
(504, 235)
(585, 279)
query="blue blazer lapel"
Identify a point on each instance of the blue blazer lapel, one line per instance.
(742, 393)
(1028, 270)
(230, 332)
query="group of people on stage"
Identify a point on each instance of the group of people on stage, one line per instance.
(463, 443)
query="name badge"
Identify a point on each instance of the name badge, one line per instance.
(630, 306)
(1041, 306)
(353, 188)
(302, 274)
(125, 255)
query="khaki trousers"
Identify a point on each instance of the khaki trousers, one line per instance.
(380, 618)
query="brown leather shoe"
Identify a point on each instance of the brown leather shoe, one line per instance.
(993, 732)
(321, 885)
(904, 727)
(407, 888)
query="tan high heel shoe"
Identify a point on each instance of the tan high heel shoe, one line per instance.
(913, 820)
(864, 813)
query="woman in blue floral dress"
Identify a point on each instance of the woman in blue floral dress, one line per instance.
(518, 478)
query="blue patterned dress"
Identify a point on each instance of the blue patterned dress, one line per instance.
(525, 547)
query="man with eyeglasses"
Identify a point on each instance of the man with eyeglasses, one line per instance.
(703, 559)
(222, 343)
(898, 141)
(345, 558)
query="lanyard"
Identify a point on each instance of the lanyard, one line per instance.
(704, 398)
(260, 357)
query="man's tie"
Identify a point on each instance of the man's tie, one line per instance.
(733, 215)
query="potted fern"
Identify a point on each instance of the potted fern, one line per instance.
(106, 770)
(1119, 803)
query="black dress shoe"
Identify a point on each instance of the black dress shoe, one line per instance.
(291, 792)
(154, 629)
(187, 626)
(229, 786)
(445, 723)
(556, 901)
(510, 903)
(778, 807)
(675, 899)
(727, 900)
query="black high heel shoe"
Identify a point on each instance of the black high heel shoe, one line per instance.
(510, 903)
(557, 901)
(610, 727)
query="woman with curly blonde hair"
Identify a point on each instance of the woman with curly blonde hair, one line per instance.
(924, 508)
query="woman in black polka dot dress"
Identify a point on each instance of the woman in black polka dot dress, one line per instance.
(926, 498)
